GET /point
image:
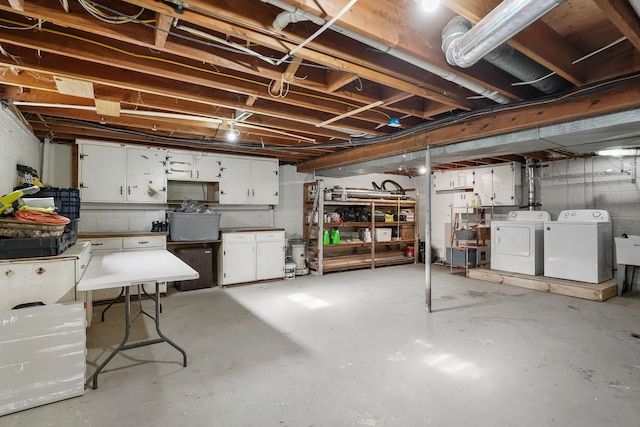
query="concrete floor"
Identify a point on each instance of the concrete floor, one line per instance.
(358, 349)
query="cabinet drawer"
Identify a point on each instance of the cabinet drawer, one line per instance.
(82, 262)
(49, 281)
(144, 242)
(239, 237)
(270, 236)
(99, 245)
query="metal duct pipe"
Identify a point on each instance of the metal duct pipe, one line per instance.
(434, 69)
(506, 58)
(533, 182)
(502, 23)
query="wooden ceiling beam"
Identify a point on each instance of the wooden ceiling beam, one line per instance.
(500, 122)
(167, 68)
(138, 36)
(163, 24)
(332, 61)
(624, 17)
(125, 78)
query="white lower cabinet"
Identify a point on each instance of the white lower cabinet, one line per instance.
(49, 280)
(251, 256)
(123, 244)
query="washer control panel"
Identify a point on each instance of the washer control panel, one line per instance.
(584, 215)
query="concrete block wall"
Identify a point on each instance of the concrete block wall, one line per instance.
(17, 146)
(588, 183)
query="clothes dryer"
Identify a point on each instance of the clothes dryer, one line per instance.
(517, 243)
(578, 246)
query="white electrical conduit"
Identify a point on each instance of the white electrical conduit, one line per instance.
(434, 69)
(161, 114)
(502, 23)
(220, 40)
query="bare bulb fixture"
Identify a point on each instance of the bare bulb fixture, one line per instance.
(233, 133)
(430, 5)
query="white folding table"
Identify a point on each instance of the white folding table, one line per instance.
(123, 269)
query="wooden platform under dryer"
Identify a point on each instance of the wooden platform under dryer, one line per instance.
(591, 291)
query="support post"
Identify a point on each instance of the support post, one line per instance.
(427, 229)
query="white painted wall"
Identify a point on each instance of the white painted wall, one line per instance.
(590, 183)
(288, 214)
(17, 146)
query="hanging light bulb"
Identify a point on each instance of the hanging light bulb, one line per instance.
(430, 5)
(233, 133)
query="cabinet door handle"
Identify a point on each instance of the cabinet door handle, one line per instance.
(121, 190)
(248, 192)
(253, 193)
(143, 242)
(128, 189)
(197, 174)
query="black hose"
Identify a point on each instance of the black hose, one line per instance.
(389, 181)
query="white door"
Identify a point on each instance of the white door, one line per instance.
(207, 167)
(238, 260)
(513, 240)
(102, 173)
(270, 256)
(504, 185)
(264, 182)
(235, 176)
(180, 166)
(146, 176)
(484, 185)
(443, 180)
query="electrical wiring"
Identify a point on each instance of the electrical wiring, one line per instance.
(237, 51)
(192, 67)
(41, 217)
(92, 9)
(425, 127)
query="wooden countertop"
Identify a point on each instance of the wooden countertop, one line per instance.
(103, 235)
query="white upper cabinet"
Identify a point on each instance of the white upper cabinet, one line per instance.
(193, 166)
(112, 173)
(180, 165)
(454, 179)
(499, 185)
(102, 172)
(207, 167)
(249, 181)
(146, 175)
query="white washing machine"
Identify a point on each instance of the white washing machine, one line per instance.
(578, 246)
(517, 243)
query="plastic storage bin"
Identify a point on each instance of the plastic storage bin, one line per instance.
(193, 226)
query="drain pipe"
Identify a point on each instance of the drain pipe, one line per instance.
(502, 23)
(434, 69)
(506, 58)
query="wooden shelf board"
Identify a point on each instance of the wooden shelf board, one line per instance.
(591, 291)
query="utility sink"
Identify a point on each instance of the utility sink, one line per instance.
(628, 250)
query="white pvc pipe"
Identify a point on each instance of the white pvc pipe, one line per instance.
(317, 33)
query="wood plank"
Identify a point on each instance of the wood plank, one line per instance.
(591, 291)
